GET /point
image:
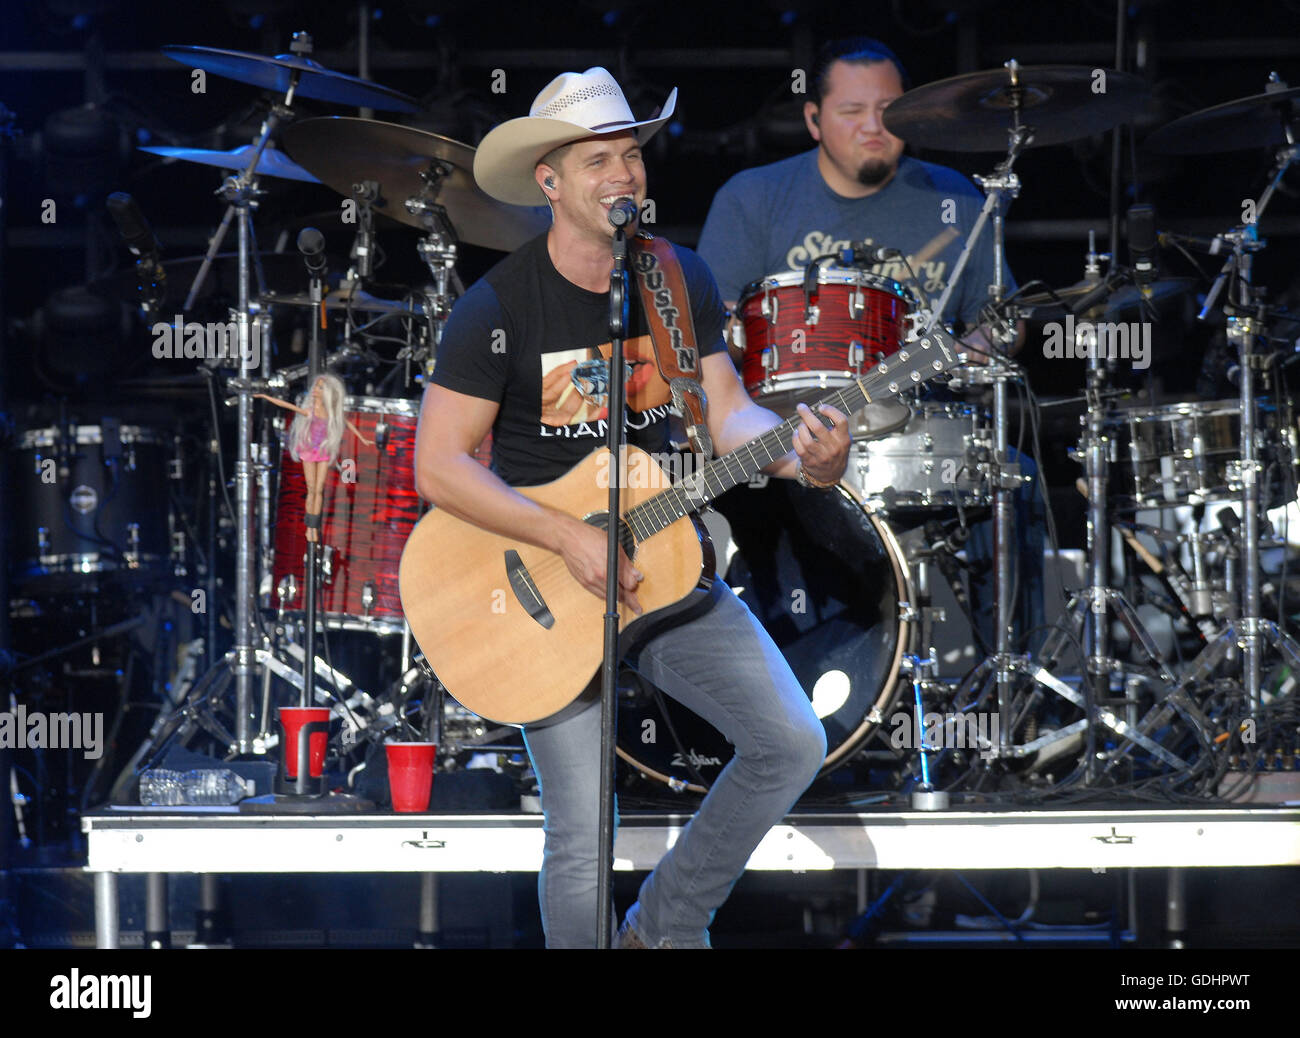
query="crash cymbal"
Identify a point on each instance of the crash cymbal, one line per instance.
(346, 296)
(973, 112)
(273, 163)
(344, 151)
(1124, 300)
(1258, 121)
(314, 80)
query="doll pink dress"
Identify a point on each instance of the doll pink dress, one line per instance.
(313, 450)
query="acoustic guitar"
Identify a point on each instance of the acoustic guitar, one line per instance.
(508, 630)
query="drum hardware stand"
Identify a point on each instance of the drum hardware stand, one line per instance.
(924, 797)
(438, 250)
(1248, 631)
(1246, 321)
(240, 193)
(1005, 478)
(1002, 185)
(1091, 607)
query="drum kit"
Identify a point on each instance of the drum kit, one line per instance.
(942, 464)
(936, 465)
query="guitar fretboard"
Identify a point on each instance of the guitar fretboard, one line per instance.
(912, 365)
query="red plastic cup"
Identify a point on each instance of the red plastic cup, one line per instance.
(410, 774)
(292, 718)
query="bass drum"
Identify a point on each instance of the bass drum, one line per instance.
(826, 578)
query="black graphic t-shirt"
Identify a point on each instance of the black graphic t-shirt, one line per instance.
(530, 339)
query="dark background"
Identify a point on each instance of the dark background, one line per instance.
(732, 62)
(86, 84)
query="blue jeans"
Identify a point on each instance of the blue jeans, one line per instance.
(724, 666)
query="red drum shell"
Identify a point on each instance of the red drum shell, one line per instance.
(812, 357)
(367, 516)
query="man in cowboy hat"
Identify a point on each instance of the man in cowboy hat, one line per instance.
(509, 362)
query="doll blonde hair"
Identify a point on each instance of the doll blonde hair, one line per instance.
(332, 394)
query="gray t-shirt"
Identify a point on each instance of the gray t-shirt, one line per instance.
(776, 218)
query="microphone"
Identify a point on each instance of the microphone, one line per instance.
(135, 229)
(944, 546)
(311, 243)
(1141, 224)
(1230, 523)
(863, 253)
(622, 212)
(143, 243)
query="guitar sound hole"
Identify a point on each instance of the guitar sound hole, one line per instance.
(600, 520)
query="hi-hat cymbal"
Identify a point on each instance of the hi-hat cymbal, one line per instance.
(314, 80)
(273, 163)
(973, 112)
(1258, 121)
(347, 296)
(343, 151)
(1125, 299)
(284, 272)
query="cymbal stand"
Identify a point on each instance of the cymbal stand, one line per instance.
(1249, 631)
(240, 193)
(1005, 479)
(1000, 187)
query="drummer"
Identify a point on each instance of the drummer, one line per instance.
(855, 187)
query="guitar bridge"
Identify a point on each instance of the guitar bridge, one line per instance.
(521, 583)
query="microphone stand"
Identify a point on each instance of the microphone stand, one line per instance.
(307, 694)
(618, 314)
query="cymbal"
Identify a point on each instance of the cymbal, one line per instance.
(273, 163)
(284, 271)
(343, 151)
(973, 112)
(1257, 121)
(314, 80)
(1125, 299)
(343, 297)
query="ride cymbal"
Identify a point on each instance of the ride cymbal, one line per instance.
(974, 112)
(411, 164)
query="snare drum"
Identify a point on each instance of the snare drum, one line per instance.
(1186, 454)
(932, 463)
(370, 509)
(797, 346)
(105, 516)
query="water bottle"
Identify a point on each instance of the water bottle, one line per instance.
(203, 787)
(209, 786)
(161, 788)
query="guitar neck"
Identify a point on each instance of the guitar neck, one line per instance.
(914, 364)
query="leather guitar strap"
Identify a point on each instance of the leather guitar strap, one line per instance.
(667, 309)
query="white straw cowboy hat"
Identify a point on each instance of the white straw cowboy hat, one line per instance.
(572, 106)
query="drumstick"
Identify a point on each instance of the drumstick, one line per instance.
(1156, 566)
(935, 245)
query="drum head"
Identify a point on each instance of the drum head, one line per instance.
(825, 577)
